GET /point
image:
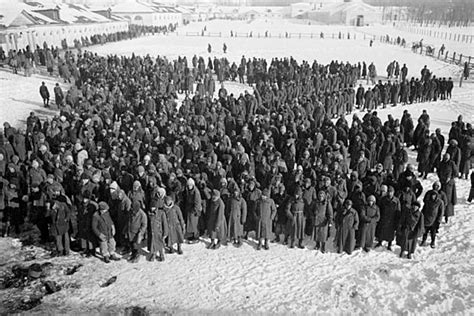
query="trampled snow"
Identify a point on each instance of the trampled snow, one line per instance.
(279, 281)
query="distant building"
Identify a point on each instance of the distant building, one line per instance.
(33, 24)
(148, 13)
(354, 12)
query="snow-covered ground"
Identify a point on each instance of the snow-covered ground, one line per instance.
(20, 95)
(279, 281)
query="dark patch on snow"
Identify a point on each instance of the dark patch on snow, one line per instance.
(109, 281)
(136, 311)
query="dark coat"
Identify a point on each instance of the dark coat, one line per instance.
(390, 210)
(347, 222)
(322, 218)
(252, 198)
(60, 217)
(237, 216)
(175, 224)
(266, 212)
(296, 220)
(159, 228)
(432, 210)
(411, 227)
(84, 221)
(216, 223)
(103, 226)
(136, 225)
(192, 210)
(369, 217)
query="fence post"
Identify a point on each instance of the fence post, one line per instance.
(460, 58)
(454, 57)
(446, 57)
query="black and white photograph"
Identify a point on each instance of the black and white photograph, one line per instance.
(236, 157)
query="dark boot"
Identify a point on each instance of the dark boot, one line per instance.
(239, 242)
(266, 246)
(317, 246)
(292, 244)
(152, 257)
(180, 250)
(323, 247)
(217, 246)
(389, 247)
(106, 259)
(259, 246)
(277, 239)
(379, 244)
(423, 241)
(300, 244)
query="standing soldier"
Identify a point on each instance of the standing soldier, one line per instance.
(237, 210)
(104, 229)
(369, 218)
(432, 213)
(58, 95)
(322, 220)
(389, 214)
(44, 92)
(216, 224)
(266, 212)
(176, 225)
(447, 171)
(192, 210)
(410, 229)
(296, 220)
(136, 229)
(347, 222)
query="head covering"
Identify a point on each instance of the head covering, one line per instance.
(216, 193)
(190, 182)
(103, 206)
(161, 192)
(114, 186)
(266, 192)
(371, 198)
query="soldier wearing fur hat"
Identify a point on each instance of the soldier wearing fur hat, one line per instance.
(237, 210)
(322, 214)
(104, 229)
(369, 217)
(192, 207)
(216, 221)
(296, 220)
(176, 225)
(347, 222)
(137, 227)
(265, 212)
(410, 229)
(390, 211)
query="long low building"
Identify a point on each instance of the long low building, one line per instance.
(32, 24)
(148, 13)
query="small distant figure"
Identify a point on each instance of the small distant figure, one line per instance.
(224, 48)
(58, 95)
(466, 70)
(209, 48)
(371, 42)
(231, 34)
(44, 92)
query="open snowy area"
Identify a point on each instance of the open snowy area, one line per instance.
(242, 280)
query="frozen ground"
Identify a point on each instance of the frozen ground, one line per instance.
(281, 280)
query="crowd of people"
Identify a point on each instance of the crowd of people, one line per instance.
(123, 164)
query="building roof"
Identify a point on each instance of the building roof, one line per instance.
(35, 13)
(336, 8)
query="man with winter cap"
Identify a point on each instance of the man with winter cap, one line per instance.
(104, 229)
(266, 211)
(410, 229)
(216, 223)
(369, 217)
(295, 214)
(192, 210)
(136, 229)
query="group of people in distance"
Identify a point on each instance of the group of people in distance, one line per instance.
(123, 165)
